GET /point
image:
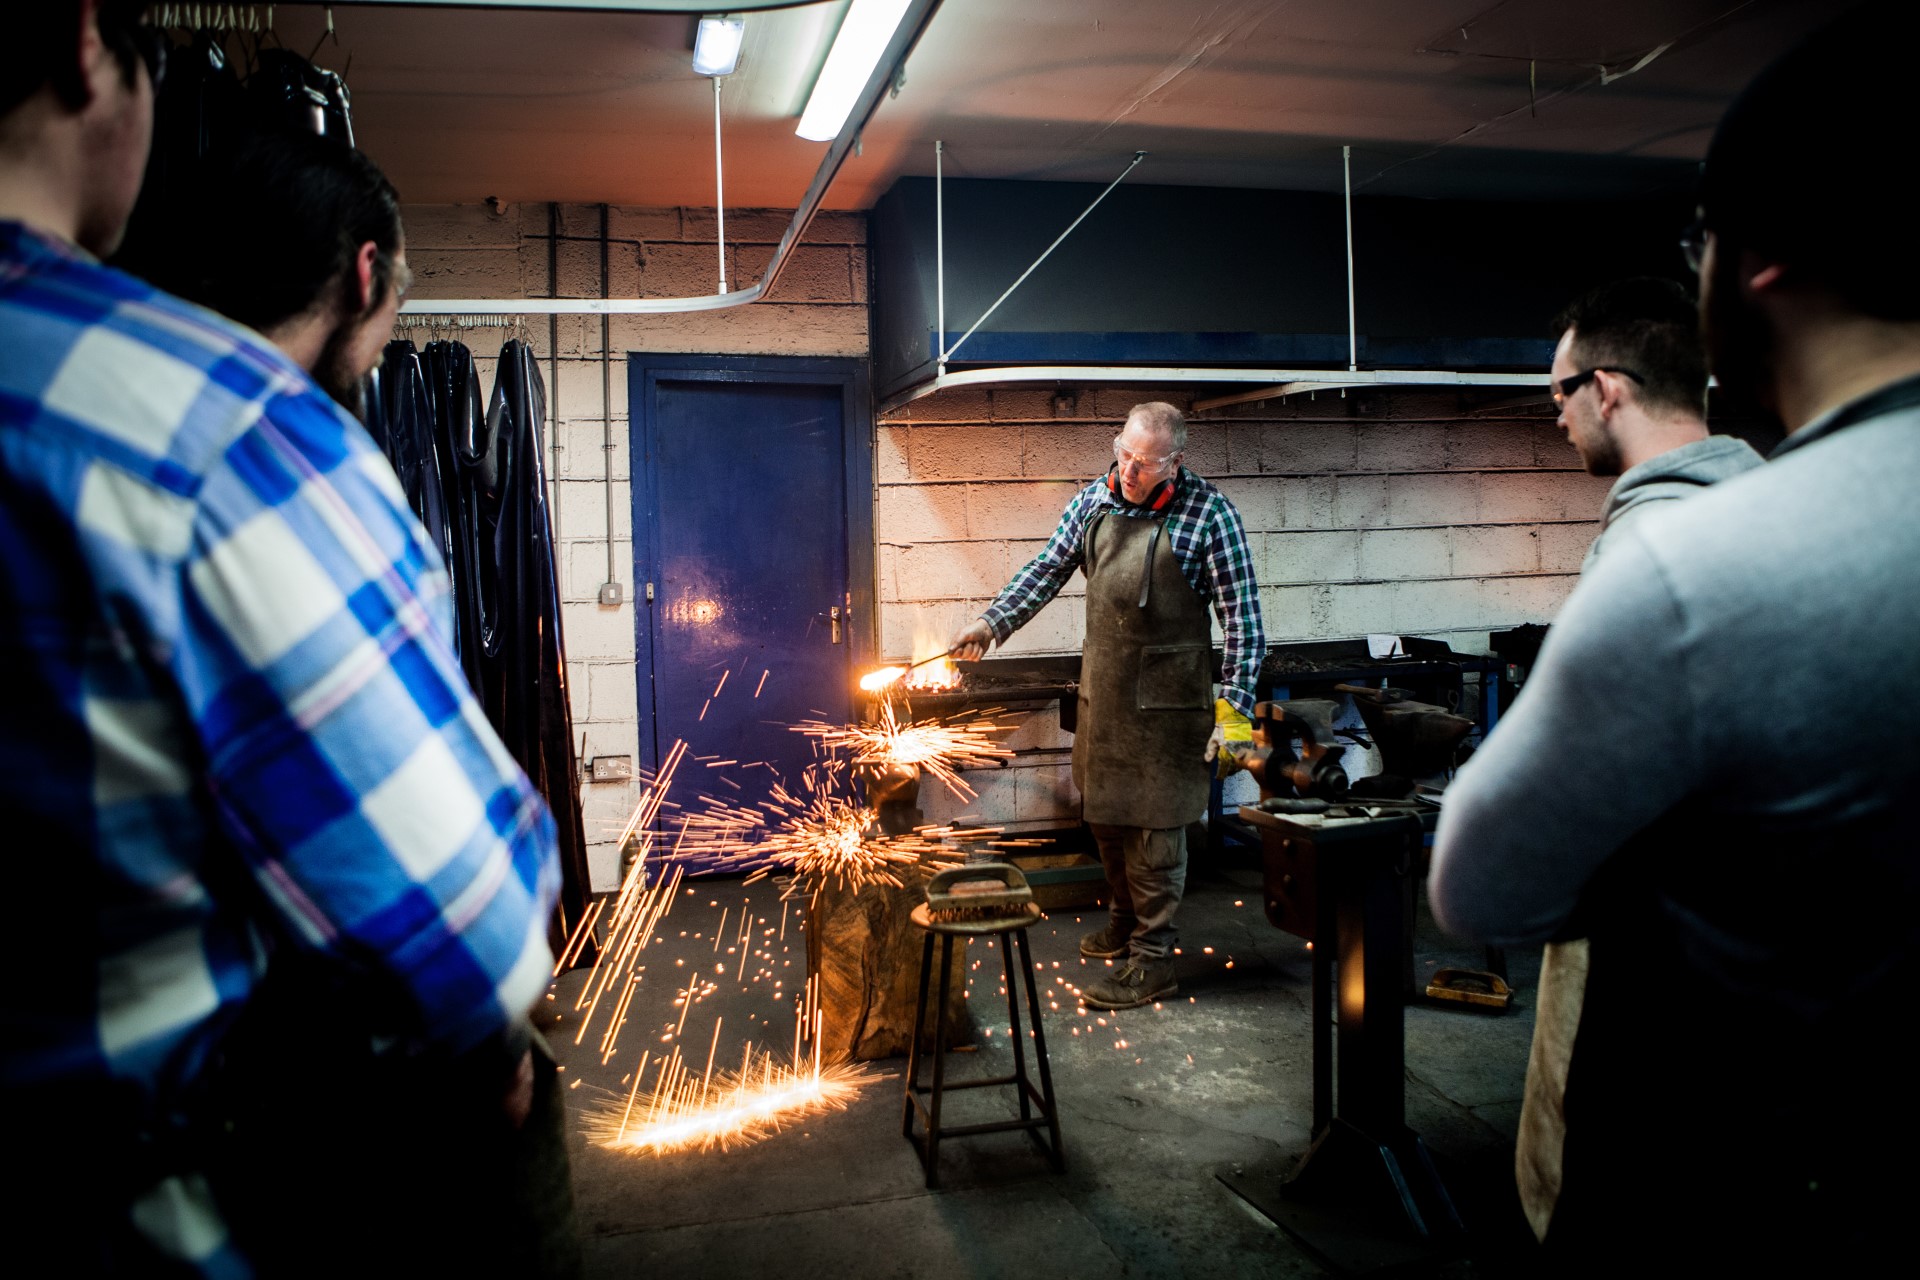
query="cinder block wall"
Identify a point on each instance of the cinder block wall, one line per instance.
(473, 251)
(1409, 512)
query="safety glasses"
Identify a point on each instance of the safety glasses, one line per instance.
(1572, 383)
(1146, 461)
(1693, 243)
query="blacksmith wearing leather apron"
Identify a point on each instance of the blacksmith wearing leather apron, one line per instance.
(1158, 544)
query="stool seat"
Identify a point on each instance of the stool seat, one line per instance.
(1012, 923)
(1015, 918)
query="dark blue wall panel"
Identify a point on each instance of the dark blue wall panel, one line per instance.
(1179, 275)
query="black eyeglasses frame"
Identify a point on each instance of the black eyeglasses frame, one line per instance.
(1693, 243)
(1567, 387)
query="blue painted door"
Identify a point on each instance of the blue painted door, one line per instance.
(742, 530)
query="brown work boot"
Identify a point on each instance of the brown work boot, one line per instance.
(1108, 944)
(1131, 985)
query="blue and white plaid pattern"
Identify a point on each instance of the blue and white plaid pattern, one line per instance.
(231, 683)
(1210, 545)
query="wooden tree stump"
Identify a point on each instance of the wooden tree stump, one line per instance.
(865, 954)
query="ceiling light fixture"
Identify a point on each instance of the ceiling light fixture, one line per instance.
(716, 50)
(864, 35)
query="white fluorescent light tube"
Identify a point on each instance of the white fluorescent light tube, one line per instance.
(716, 50)
(864, 35)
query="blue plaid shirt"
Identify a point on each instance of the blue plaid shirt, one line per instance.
(232, 710)
(1209, 544)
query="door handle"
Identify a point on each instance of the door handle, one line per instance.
(833, 617)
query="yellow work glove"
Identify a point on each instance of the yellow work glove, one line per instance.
(1232, 734)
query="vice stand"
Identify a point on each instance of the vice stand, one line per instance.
(1366, 1196)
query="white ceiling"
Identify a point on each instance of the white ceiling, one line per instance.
(1502, 99)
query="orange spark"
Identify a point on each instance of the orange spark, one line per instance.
(727, 1110)
(939, 748)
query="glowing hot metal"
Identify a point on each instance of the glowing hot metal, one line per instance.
(875, 681)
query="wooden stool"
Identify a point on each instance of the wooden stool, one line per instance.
(1012, 927)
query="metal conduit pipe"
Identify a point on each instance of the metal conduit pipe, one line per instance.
(940, 254)
(554, 446)
(610, 589)
(719, 190)
(1353, 328)
(885, 73)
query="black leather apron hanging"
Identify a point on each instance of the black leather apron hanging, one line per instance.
(1146, 688)
(478, 482)
(525, 650)
(400, 420)
(465, 466)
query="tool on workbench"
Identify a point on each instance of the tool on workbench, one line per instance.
(983, 891)
(1294, 752)
(1416, 739)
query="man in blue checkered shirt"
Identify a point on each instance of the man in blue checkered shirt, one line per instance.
(1159, 547)
(234, 721)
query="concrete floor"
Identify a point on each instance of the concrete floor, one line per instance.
(1154, 1103)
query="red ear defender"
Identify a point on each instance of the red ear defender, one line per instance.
(1159, 500)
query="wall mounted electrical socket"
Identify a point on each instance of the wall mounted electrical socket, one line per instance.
(612, 769)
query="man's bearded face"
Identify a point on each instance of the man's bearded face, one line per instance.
(353, 349)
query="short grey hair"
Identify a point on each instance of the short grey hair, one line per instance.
(1158, 415)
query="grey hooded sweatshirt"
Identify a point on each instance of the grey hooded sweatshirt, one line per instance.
(1677, 473)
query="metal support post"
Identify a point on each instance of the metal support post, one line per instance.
(940, 257)
(1353, 331)
(719, 189)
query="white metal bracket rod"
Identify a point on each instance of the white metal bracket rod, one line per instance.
(1138, 156)
(719, 189)
(1353, 330)
(940, 255)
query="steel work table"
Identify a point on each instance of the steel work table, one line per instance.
(1366, 1195)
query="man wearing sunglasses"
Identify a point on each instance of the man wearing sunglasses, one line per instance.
(1159, 547)
(1711, 772)
(234, 725)
(1630, 380)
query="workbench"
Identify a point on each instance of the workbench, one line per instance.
(1366, 1195)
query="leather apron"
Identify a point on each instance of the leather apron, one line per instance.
(1146, 681)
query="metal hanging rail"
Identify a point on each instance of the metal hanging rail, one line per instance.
(1281, 382)
(885, 73)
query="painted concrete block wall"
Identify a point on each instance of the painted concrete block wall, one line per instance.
(1410, 512)
(819, 308)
